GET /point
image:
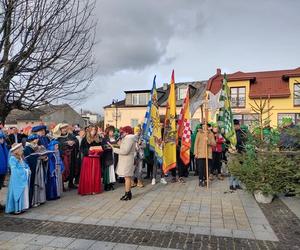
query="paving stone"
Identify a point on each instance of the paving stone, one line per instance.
(42, 240)
(61, 242)
(79, 244)
(23, 238)
(102, 245)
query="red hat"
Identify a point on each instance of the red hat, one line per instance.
(127, 129)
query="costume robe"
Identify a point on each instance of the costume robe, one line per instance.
(3, 162)
(17, 196)
(90, 176)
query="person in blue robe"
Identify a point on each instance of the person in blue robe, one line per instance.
(41, 131)
(17, 199)
(3, 161)
(54, 186)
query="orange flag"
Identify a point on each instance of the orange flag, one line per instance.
(184, 129)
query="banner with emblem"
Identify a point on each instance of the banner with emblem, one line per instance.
(184, 130)
(170, 133)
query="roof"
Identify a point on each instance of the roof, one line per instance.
(162, 94)
(33, 115)
(262, 84)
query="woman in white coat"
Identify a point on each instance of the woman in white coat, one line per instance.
(125, 167)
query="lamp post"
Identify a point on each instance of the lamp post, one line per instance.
(114, 105)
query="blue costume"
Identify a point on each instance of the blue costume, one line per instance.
(3, 159)
(43, 140)
(54, 174)
(17, 195)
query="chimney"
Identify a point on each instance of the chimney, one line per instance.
(219, 71)
(165, 86)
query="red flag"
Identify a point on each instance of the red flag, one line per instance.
(184, 130)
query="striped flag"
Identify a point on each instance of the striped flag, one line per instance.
(184, 130)
(225, 117)
(170, 134)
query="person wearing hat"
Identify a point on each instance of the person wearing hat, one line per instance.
(69, 146)
(36, 158)
(126, 153)
(3, 160)
(40, 130)
(138, 159)
(240, 136)
(54, 185)
(217, 152)
(17, 199)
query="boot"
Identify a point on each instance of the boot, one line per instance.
(140, 184)
(133, 184)
(127, 196)
(111, 185)
(220, 177)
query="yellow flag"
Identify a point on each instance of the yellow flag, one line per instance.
(170, 133)
(155, 138)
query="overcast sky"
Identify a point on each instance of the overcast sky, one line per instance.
(140, 38)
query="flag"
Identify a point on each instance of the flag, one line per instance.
(197, 97)
(225, 117)
(214, 103)
(184, 130)
(155, 137)
(170, 134)
(147, 126)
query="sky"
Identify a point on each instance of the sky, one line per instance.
(137, 39)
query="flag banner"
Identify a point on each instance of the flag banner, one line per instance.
(225, 117)
(214, 103)
(147, 125)
(170, 134)
(156, 136)
(197, 98)
(184, 130)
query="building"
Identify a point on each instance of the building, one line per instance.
(280, 89)
(131, 111)
(48, 114)
(90, 117)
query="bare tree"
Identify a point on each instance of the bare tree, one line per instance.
(45, 51)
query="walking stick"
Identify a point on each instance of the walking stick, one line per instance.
(206, 137)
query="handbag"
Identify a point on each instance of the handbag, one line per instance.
(112, 176)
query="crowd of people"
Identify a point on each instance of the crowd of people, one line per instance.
(44, 164)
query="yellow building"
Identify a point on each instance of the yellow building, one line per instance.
(131, 111)
(280, 89)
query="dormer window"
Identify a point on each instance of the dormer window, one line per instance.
(139, 98)
(181, 92)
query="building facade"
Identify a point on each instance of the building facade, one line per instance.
(131, 111)
(279, 90)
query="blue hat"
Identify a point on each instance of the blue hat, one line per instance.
(53, 142)
(2, 135)
(38, 128)
(32, 137)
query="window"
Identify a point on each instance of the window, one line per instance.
(140, 98)
(181, 92)
(297, 94)
(238, 97)
(246, 119)
(295, 117)
(134, 122)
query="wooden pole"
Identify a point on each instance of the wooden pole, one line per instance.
(206, 137)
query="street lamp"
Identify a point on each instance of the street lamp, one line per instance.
(115, 105)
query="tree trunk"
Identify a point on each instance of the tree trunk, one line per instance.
(4, 112)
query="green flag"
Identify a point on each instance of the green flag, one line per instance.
(225, 117)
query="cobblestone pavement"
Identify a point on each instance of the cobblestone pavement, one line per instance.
(173, 221)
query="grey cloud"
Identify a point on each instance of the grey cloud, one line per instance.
(135, 34)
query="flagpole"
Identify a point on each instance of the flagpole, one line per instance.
(206, 136)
